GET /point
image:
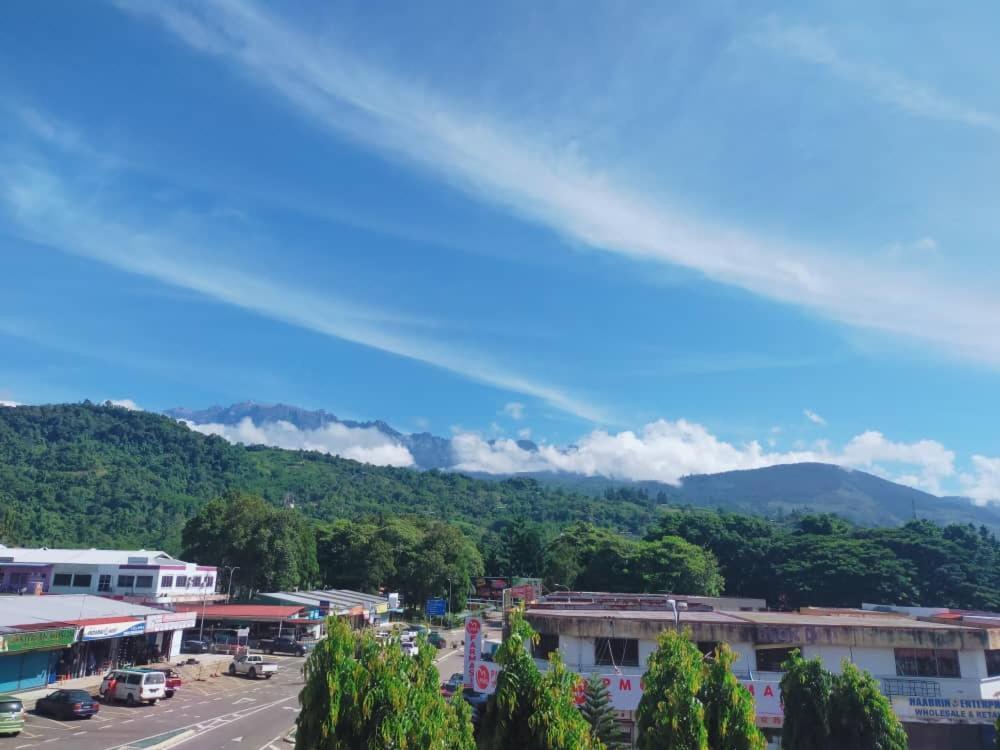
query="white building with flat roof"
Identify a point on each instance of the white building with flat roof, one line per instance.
(941, 674)
(141, 576)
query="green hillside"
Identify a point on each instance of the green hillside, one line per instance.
(92, 475)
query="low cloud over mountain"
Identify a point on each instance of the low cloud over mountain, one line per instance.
(661, 451)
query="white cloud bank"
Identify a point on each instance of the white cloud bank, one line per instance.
(666, 451)
(9, 403)
(982, 484)
(365, 444)
(663, 451)
(125, 403)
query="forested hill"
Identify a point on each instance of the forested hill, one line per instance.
(774, 491)
(104, 476)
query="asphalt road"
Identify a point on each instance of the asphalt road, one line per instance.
(225, 713)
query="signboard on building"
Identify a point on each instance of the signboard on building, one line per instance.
(113, 630)
(170, 621)
(625, 690)
(946, 710)
(473, 648)
(36, 640)
(435, 607)
(484, 676)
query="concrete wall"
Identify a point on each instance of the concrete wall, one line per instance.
(95, 571)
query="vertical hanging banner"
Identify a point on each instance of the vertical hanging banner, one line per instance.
(473, 648)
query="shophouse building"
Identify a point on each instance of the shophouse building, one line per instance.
(150, 577)
(942, 676)
(48, 638)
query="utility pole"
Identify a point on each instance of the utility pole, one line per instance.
(232, 572)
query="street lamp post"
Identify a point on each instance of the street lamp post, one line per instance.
(201, 629)
(232, 572)
(677, 607)
(449, 601)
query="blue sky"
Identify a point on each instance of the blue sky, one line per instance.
(665, 235)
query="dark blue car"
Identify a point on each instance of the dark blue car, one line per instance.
(67, 704)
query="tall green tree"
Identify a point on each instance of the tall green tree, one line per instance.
(360, 694)
(671, 716)
(674, 565)
(600, 714)
(730, 715)
(861, 717)
(274, 548)
(805, 694)
(529, 710)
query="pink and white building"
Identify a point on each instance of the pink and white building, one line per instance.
(150, 577)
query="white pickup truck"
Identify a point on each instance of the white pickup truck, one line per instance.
(252, 665)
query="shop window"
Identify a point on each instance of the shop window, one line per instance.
(771, 659)
(62, 579)
(166, 582)
(144, 582)
(126, 582)
(927, 662)
(993, 662)
(82, 581)
(182, 582)
(616, 652)
(547, 643)
(104, 583)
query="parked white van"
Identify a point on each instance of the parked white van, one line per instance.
(133, 686)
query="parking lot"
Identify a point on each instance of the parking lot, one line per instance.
(215, 712)
(219, 711)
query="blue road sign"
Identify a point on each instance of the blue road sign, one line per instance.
(435, 607)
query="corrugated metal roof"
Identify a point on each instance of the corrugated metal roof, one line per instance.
(84, 556)
(273, 612)
(337, 598)
(22, 611)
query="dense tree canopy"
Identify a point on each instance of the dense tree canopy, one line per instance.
(274, 548)
(103, 476)
(587, 558)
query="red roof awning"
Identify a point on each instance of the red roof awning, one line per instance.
(261, 612)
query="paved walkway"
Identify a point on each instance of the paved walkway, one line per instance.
(207, 665)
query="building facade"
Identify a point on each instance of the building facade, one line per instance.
(45, 639)
(140, 576)
(943, 678)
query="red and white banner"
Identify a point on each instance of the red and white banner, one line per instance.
(625, 690)
(473, 649)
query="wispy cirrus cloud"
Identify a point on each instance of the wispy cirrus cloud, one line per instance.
(815, 46)
(515, 167)
(814, 417)
(48, 208)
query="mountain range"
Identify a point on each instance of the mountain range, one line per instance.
(772, 491)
